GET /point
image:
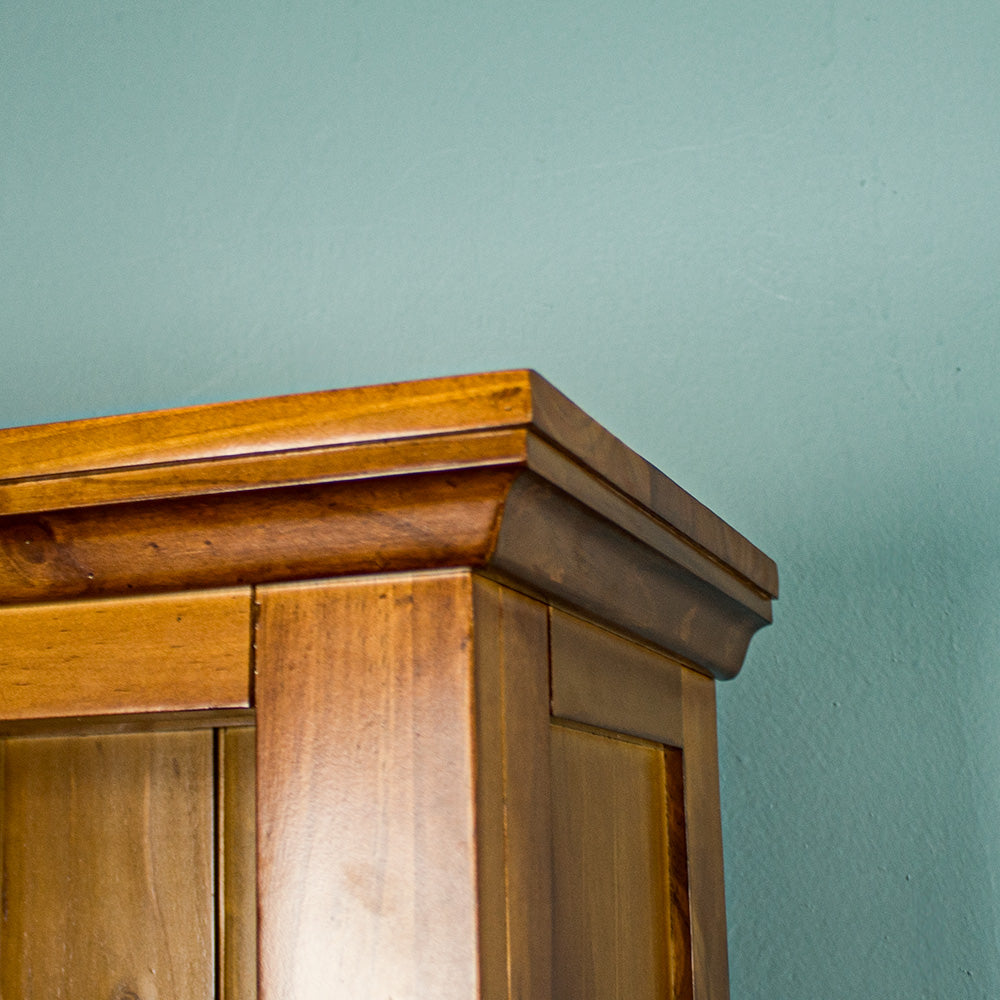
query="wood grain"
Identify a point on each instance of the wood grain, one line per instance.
(513, 794)
(217, 476)
(575, 558)
(681, 982)
(107, 868)
(605, 499)
(367, 857)
(173, 652)
(710, 955)
(308, 438)
(236, 863)
(606, 681)
(254, 536)
(610, 851)
(258, 426)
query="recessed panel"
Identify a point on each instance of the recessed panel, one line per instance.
(108, 846)
(612, 921)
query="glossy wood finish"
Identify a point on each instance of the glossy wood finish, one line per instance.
(513, 793)
(174, 652)
(254, 536)
(107, 868)
(42, 465)
(365, 805)
(499, 472)
(236, 863)
(477, 637)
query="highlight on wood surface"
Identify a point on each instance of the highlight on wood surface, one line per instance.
(405, 690)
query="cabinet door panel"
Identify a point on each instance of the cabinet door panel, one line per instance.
(612, 868)
(107, 868)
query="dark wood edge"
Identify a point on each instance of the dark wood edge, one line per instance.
(562, 551)
(571, 429)
(143, 722)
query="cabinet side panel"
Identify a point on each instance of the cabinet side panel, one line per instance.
(610, 848)
(513, 793)
(365, 800)
(237, 863)
(107, 868)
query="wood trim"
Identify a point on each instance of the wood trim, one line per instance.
(236, 863)
(498, 472)
(515, 525)
(606, 681)
(142, 722)
(513, 797)
(257, 536)
(565, 552)
(167, 653)
(259, 426)
(608, 502)
(216, 476)
(310, 438)
(681, 983)
(575, 432)
(710, 955)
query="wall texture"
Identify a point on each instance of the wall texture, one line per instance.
(760, 242)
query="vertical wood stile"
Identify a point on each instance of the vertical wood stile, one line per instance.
(365, 782)
(513, 793)
(710, 955)
(237, 863)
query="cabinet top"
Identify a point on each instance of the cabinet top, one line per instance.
(423, 425)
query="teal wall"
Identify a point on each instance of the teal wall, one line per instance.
(759, 242)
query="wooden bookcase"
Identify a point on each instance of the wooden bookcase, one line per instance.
(403, 691)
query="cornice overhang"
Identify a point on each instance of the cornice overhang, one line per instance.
(499, 472)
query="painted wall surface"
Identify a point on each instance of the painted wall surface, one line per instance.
(760, 242)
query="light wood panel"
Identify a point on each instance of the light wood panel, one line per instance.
(610, 851)
(107, 868)
(513, 795)
(172, 652)
(237, 863)
(367, 859)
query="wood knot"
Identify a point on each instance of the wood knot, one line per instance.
(29, 541)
